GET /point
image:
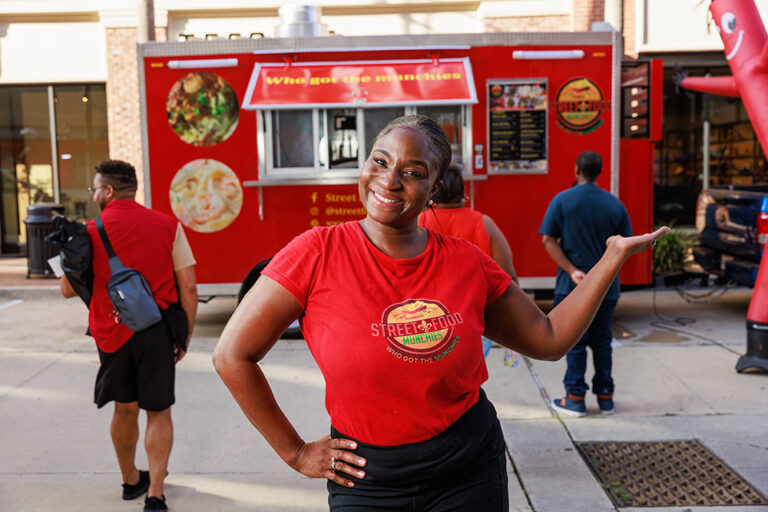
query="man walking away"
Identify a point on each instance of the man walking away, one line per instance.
(138, 368)
(574, 231)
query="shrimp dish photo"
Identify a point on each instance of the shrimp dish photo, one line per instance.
(206, 195)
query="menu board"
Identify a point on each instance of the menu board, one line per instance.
(517, 130)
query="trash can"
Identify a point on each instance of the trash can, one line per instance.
(39, 223)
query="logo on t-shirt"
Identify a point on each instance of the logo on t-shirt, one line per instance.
(418, 330)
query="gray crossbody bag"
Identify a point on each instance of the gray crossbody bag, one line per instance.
(128, 291)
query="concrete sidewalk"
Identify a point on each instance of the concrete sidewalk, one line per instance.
(675, 381)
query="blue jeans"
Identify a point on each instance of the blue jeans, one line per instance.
(598, 337)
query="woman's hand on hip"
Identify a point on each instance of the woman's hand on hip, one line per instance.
(331, 459)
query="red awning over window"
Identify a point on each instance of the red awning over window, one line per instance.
(360, 84)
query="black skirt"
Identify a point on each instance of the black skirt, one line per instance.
(462, 468)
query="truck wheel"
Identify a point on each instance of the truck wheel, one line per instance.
(250, 279)
(294, 331)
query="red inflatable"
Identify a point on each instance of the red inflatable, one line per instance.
(744, 38)
(746, 49)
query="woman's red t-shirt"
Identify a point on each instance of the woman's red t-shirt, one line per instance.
(397, 340)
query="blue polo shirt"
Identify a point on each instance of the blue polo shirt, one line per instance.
(583, 218)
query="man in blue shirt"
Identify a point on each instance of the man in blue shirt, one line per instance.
(574, 231)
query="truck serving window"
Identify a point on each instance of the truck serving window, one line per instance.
(335, 142)
(292, 146)
(343, 145)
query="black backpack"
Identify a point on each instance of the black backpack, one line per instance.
(71, 237)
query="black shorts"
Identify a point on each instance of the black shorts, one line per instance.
(463, 469)
(142, 370)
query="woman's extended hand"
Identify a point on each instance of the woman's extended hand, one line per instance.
(635, 244)
(330, 458)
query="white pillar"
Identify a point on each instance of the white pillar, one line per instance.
(146, 25)
(613, 14)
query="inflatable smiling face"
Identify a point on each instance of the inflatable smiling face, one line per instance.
(741, 29)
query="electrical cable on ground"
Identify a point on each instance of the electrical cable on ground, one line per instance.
(673, 324)
(707, 297)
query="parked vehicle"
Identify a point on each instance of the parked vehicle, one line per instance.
(733, 227)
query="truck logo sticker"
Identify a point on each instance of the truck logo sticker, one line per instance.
(418, 330)
(579, 106)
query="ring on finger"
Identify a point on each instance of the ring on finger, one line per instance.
(333, 463)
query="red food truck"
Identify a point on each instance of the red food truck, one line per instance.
(249, 142)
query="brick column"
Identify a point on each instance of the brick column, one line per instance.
(630, 28)
(585, 12)
(123, 114)
(123, 118)
(547, 23)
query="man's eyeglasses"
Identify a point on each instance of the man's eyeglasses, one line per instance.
(91, 190)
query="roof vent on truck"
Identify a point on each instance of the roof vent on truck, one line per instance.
(300, 21)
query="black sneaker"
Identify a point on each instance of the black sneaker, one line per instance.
(133, 491)
(153, 503)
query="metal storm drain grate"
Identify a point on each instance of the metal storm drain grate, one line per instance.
(666, 474)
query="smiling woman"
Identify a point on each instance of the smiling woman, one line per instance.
(403, 170)
(393, 314)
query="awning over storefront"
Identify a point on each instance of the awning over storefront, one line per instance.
(360, 84)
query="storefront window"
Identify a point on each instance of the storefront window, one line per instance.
(27, 156)
(81, 128)
(735, 156)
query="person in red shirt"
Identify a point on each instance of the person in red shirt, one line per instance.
(393, 315)
(447, 214)
(137, 368)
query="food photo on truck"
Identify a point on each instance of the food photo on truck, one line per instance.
(249, 142)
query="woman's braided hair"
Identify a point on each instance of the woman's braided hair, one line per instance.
(441, 144)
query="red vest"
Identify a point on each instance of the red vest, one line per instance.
(142, 239)
(462, 223)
